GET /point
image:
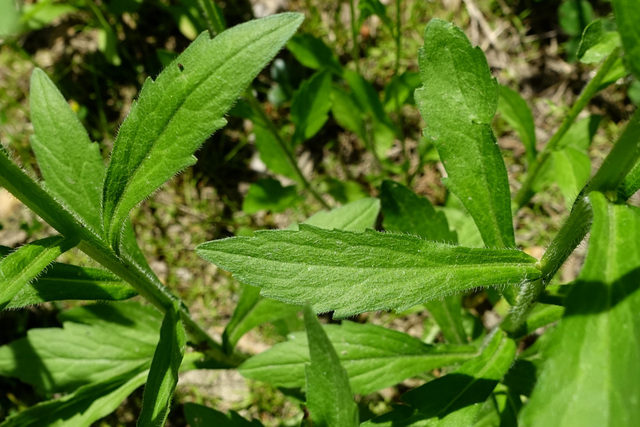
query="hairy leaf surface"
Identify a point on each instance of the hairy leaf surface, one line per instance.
(356, 272)
(163, 373)
(70, 163)
(374, 357)
(458, 100)
(22, 266)
(329, 396)
(456, 398)
(175, 113)
(591, 367)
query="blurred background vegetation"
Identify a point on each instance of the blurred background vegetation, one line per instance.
(99, 54)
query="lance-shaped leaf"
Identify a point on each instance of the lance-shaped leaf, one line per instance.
(356, 272)
(21, 267)
(599, 40)
(514, 109)
(456, 398)
(163, 374)
(310, 106)
(627, 14)
(591, 368)
(182, 107)
(82, 407)
(96, 343)
(458, 100)
(67, 282)
(354, 216)
(329, 396)
(70, 163)
(374, 357)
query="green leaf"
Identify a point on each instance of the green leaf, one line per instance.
(368, 102)
(329, 396)
(590, 369)
(163, 374)
(514, 109)
(458, 113)
(448, 315)
(269, 194)
(82, 407)
(347, 112)
(180, 109)
(70, 163)
(627, 13)
(599, 40)
(310, 106)
(272, 153)
(574, 15)
(369, 8)
(354, 216)
(374, 357)
(22, 266)
(203, 416)
(253, 310)
(456, 398)
(67, 282)
(96, 343)
(400, 90)
(313, 53)
(406, 212)
(356, 272)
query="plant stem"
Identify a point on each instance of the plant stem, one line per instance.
(215, 21)
(354, 35)
(403, 142)
(620, 160)
(25, 189)
(284, 147)
(526, 192)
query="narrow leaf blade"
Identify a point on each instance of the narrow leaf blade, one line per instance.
(627, 14)
(374, 357)
(458, 113)
(19, 268)
(590, 367)
(514, 109)
(311, 105)
(354, 216)
(185, 105)
(70, 163)
(356, 272)
(329, 396)
(163, 374)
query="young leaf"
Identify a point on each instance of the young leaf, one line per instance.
(627, 14)
(175, 113)
(273, 154)
(311, 105)
(354, 216)
(90, 347)
(454, 400)
(329, 396)
(67, 282)
(514, 109)
(599, 40)
(82, 407)
(590, 369)
(21, 267)
(253, 310)
(70, 163)
(458, 100)
(374, 357)
(163, 374)
(406, 212)
(203, 416)
(356, 272)
(346, 112)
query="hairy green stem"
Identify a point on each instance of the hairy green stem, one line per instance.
(608, 179)
(253, 101)
(593, 87)
(25, 189)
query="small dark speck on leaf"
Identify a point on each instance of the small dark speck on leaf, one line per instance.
(181, 66)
